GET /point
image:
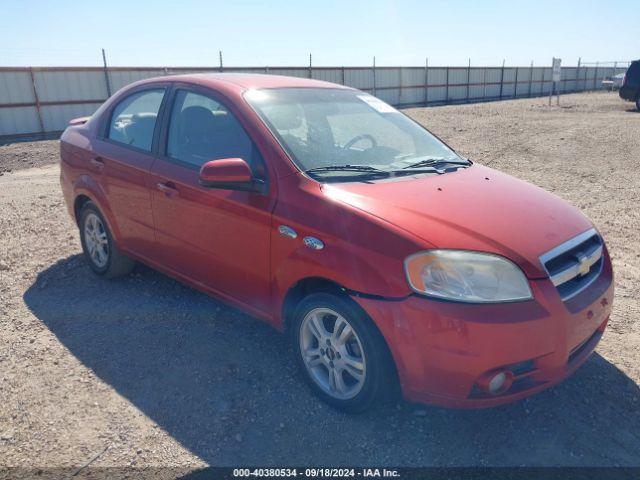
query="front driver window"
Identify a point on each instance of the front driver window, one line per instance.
(201, 129)
(134, 119)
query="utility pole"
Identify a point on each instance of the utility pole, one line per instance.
(220, 58)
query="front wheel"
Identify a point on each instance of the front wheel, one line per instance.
(104, 257)
(341, 354)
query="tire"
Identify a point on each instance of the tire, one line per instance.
(638, 103)
(100, 251)
(361, 362)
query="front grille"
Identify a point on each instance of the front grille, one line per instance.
(575, 264)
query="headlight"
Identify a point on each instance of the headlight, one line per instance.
(466, 276)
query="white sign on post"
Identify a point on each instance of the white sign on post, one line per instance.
(556, 73)
(556, 69)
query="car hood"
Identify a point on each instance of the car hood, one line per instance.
(475, 208)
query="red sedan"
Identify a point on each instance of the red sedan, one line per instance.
(388, 258)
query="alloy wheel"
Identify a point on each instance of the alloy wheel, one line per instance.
(96, 240)
(332, 353)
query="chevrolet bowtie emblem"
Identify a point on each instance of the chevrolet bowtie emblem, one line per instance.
(583, 264)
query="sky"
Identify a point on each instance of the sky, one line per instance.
(336, 33)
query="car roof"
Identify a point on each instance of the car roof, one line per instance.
(246, 81)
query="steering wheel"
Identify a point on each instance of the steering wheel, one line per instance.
(356, 139)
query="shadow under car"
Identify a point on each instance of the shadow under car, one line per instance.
(225, 386)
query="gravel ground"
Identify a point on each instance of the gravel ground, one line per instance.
(145, 372)
(17, 156)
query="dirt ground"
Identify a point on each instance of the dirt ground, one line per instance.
(145, 372)
(18, 156)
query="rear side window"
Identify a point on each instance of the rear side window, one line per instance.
(134, 119)
(201, 129)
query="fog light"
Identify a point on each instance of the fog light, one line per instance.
(496, 382)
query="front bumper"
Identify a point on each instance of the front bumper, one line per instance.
(441, 349)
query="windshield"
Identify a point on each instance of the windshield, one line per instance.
(336, 133)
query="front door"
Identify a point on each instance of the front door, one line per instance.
(218, 238)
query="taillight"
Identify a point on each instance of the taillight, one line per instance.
(624, 80)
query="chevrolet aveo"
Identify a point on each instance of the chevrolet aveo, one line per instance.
(388, 258)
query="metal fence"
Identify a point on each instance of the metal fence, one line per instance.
(39, 101)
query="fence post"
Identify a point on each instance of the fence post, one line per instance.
(586, 78)
(343, 80)
(36, 99)
(373, 71)
(220, 57)
(578, 75)
(106, 73)
(530, 77)
(552, 83)
(595, 76)
(468, 79)
(614, 70)
(426, 82)
(310, 67)
(484, 84)
(446, 92)
(501, 79)
(400, 83)
(515, 88)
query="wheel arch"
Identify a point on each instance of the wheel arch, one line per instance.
(309, 285)
(78, 203)
(303, 288)
(86, 189)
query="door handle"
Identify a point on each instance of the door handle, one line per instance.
(98, 163)
(168, 189)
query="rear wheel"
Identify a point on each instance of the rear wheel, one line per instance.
(100, 250)
(342, 356)
(638, 103)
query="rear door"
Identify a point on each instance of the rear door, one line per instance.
(218, 238)
(122, 159)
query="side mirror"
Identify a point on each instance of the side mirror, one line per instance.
(229, 174)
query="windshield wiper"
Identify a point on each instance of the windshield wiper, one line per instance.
(347, 168)
(436, 161)
(412, 170)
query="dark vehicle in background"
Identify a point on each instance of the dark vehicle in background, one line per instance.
(630, 89)
(613, 82)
